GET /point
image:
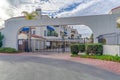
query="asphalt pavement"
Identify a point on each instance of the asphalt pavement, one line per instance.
(20, 67)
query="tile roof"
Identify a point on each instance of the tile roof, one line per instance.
(36, 36)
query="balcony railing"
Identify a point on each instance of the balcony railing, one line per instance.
(52, 33)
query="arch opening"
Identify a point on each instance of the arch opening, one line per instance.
(85, 32)
(29, 39)
(52, 37)
(100, 24)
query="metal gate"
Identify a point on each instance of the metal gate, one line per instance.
(51, 45)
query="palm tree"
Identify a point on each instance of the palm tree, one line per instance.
(30, 16)
(118, 22)
(118, 25)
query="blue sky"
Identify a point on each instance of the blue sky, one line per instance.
(57, 8)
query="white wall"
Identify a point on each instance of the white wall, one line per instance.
(111, 50)
(100, 24)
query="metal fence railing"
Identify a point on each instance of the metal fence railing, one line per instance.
(51, 45)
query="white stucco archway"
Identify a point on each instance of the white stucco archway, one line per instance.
(100, 24)
(83, 30)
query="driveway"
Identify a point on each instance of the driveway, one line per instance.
(22, 67)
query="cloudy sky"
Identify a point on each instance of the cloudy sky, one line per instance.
(59, 8)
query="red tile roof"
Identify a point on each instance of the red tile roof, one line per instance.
(33, 35)
(36, 36)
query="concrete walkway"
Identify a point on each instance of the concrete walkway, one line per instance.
(107, 65)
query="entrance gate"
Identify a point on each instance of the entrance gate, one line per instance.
(51, 45)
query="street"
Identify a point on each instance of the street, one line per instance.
(25, 67)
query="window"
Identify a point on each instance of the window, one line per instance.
(66, 29)
(52, 33)
(33, 32)
(45, 33)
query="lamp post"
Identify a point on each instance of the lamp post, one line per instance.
(29, 40)
(63, 39)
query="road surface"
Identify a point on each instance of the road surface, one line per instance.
(21, 67)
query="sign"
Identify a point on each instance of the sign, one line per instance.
(47, 43)
(20, 42)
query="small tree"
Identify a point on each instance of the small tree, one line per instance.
(1, 39)
(91, 38)
(118, 25)
(118, 22)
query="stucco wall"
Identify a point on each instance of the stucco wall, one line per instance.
(100, 24)
(111, 50)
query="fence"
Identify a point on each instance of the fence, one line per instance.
(50, 45)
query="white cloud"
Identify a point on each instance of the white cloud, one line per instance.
(91, 7)
(79, 8)
(3, 9)
(9, 8)
(58, 4)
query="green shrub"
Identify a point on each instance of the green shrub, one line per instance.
(94, 49)
(1, 39)
(101, 57)
(102, 40)
(75, 49)
(81, 47)
(8, 50)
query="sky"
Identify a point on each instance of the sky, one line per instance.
(57, 8)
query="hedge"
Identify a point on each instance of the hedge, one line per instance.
(74, 49)
(81, 47)
(94, 49)
(8, 50)
(90, 49)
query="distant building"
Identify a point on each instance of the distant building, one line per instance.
(47, 36)
(115, 10)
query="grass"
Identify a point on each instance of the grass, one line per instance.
(8, 50)
(101, 57)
